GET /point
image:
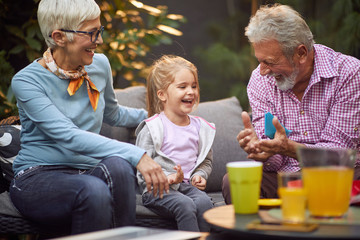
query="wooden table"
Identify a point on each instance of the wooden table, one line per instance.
(225, 219)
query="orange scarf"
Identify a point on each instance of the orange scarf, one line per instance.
(76, 78)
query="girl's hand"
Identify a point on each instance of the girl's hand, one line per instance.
(199, 182)
(177, 177)
(153, 175)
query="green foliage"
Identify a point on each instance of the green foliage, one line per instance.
(334, 23)
(21, 37)
(228, 61)
(6, 71)
(343, 26)
(21, 41)
(7, 105)
(131, 30)
(229, 71)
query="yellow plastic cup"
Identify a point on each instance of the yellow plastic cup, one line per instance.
(245, 179)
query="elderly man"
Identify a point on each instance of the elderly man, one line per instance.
(309, 88)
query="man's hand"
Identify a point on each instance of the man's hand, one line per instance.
(261, 150)
(279, 145)
(198, 182)
(247, 138)
(177, 177)
(153, 175)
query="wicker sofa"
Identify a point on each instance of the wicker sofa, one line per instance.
(225, 113)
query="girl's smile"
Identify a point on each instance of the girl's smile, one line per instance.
(180, 97)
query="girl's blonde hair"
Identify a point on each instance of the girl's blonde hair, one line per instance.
(162, 74)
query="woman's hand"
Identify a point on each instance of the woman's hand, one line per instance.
(199, 182)
(177, 177)
(153, 175)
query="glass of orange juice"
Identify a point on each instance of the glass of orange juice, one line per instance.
(293, 197)
(327, 177)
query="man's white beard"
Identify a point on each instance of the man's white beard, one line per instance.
(287, 83)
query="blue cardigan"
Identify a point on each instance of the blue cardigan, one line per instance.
(59, 129)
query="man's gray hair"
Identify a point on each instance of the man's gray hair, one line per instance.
(64, 14)
(281, 23)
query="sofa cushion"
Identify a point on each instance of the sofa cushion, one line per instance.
(9, 148)
(132, 96)
(226, 114)
(7, 207)
(129, 97)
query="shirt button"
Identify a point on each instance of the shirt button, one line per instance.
(302, 112)
(355, 129)
(305, 133)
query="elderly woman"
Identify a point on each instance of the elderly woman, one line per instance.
(66, 174)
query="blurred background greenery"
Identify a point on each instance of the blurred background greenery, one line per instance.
(210, 33)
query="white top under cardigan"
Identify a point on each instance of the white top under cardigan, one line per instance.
(150, 137)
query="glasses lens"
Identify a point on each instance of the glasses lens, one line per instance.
(97, 33)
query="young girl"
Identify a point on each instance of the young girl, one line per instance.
(180, 143)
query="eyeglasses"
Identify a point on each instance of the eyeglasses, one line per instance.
(94, 35)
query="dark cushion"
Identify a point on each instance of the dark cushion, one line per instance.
(7, 206)
(9, 148)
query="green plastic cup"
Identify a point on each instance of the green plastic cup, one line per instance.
(245, 180)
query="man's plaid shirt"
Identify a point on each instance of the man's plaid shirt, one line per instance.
(328, 114)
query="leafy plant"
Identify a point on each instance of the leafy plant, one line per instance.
(228, 61)
(21, 42)
(334, 23)
(339, 27)
(7, 105)
(131, 30)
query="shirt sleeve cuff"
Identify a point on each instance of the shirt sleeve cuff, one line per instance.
(273, 164)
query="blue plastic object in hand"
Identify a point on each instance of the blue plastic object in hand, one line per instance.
(270, 128)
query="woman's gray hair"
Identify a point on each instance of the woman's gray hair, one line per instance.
(282, 23)
(64, 14)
